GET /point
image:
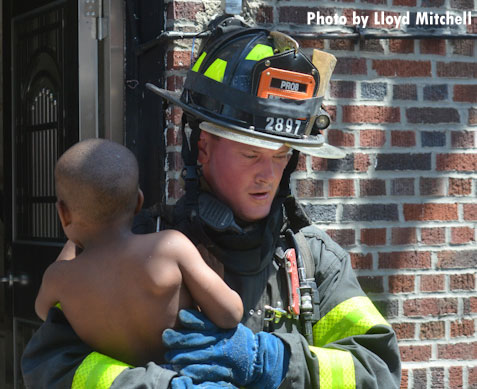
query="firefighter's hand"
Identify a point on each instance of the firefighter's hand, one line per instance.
(205, 352)
(187, 383)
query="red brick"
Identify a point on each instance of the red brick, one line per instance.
(343, 89)
(424, 212)
(415, 353)
(342, 44)
(462, 281)
(404, 379)
(319, 164)
(370, 114)
(175, 189)
(432, 283)
(309, 188)
(462, 327)
(298, 15)
(461, 235)
(178, 60)
(344, 237)
(473, 304)
(429, 307)
(402, 68)
(352, 66)
(403, 235)
(463, 139)
(455, 377)
(361, 261)
(174, 137)
(404, 330)
(264, 14)
(403, 46)
(457, 69)
(372, 138)
(341, 187)
(174, 161)
(460, 187)
(433, 46)
(372, 187)
(184, 10)
(405, 260)
(401, 284)
(472, 379)
(174, 115)
(432, 330)
(373, 236)
(340, 138)
(361, 162)
(311, 43)
(470, 211)
(467, 93)
(433, 235)
(403, 138)
(175, 83)
(472, 116)
(431, 186)
(458, 351)
(331, 109)
(301, 166)
(456, 162)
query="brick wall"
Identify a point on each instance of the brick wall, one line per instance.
(403, 200)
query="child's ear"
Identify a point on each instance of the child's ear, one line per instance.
(140, 201)
(64, 213)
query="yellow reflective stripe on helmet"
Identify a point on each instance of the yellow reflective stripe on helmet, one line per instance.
(97, 371)
(216, 70)
(355, 316)
(197, 64)
(336, 368)
(259, 52)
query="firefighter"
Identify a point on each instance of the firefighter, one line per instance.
(252, 102)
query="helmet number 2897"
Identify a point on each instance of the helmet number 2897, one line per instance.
(283, 125)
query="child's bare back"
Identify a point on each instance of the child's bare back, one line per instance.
(123, 290)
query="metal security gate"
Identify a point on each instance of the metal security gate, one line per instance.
(41, 123)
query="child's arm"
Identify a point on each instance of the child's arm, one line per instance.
(219, 303)
(49, 293)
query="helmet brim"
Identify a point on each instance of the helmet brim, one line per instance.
(313, 145)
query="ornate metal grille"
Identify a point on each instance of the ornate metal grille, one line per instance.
(39, 126)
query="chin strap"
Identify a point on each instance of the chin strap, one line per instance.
(190, 172)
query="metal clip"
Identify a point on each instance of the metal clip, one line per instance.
(276, 314)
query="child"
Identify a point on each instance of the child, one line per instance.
(123, 290)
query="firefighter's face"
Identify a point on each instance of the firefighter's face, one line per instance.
(245, 177)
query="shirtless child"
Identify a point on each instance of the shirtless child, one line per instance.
(123, 290)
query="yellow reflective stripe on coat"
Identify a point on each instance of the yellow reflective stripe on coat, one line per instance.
(355, 316)
(336, 368)
(97, 371)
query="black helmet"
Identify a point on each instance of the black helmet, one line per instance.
(255, 86)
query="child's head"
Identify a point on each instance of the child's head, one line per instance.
(97, 183)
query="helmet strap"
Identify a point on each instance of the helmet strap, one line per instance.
(284, 188)
(190, 172)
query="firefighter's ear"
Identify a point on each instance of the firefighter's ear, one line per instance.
(64, 213)
(140, 201)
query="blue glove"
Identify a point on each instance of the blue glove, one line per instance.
(206, 352)
(186, 383)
